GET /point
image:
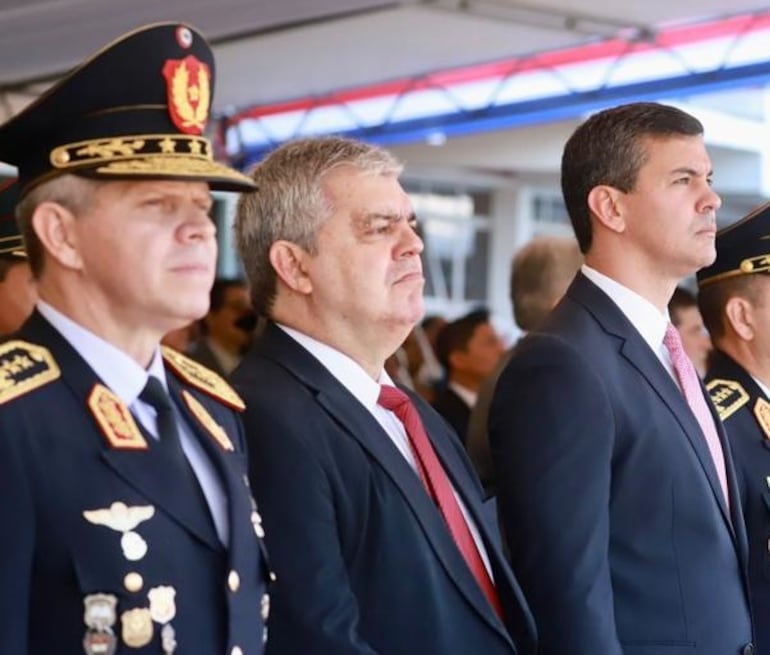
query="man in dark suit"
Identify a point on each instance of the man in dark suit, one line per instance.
(541, 271)
(126, 522)
(468, 348)
(372, 509)
(734, 297)
(17, 286)
(618, 494)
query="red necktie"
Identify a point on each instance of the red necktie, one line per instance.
(439, 487)
(691, 388)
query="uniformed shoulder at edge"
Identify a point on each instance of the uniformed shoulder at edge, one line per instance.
(24, 367)
(202, 378)
(728, 396)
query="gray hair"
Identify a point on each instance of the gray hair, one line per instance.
(541, 271)
(291, 204)
(70, 191)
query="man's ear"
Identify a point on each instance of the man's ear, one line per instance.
(739, 315)
(55, 227)
(605, 203)
(290, 264)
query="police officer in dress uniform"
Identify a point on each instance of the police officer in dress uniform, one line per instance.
(126, 520)
(17, 288)
(734, 298)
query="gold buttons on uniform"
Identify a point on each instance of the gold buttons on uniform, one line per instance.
(133, 582)
(234, 581)
(237, 650)
(256, 521)
(265, 606)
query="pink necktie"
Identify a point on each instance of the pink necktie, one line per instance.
(439, 487)
(693, 393)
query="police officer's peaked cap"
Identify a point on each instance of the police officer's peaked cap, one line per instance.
(136, 109)
(743, 248)
(11, 244)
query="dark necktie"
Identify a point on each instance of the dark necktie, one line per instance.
(168, 432)
(439, 487)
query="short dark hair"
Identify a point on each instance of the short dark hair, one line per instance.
(713, 297)
(609, 149)
(682, 299)
(455, 335)
(219, 291)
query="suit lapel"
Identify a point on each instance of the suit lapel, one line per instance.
(458, 474)
(147, 471)
(360, 425)
(638, 353)
(231, 468)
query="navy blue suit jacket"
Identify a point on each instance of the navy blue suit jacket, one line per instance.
(618, 530)
(56, 464)
(364, 561)
(750, 443)
(454, 410)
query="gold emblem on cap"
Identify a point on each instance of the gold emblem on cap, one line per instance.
(189, 93)
(762, 414)
(758, 264)
(136, 627)
(202, 378)
(24, 367)
(162, 603)
(208, 422)
(114, 419)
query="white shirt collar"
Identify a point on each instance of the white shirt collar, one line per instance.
(642, 314)
(763, 387)
(345, 369)
(467, 396)
(119, 372)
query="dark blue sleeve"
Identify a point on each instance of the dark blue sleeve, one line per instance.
(551, 434)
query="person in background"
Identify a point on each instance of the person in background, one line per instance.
(222, 341)
(372, 511)
(734, 298)
(468, 348)
(686, 317)
(17, 285)
(616, 485)
(182, 339)
(126, 520)
(541, 271)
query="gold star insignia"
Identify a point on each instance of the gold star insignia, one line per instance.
(167, 145)
(195, 147)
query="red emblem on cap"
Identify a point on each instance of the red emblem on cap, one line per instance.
(188, 83)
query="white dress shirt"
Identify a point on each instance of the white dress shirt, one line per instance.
(646, 318)
(367, 391)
